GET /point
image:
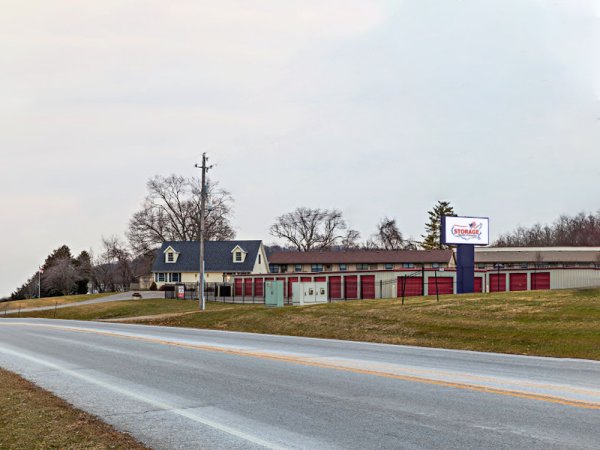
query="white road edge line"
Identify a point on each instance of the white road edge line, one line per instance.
(141, 398)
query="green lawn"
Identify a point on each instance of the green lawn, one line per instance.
(545, 323)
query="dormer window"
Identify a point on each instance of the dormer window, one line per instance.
(170, 257)
(238, 256)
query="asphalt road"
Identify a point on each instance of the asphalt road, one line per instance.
(181, 388)
(122, 296)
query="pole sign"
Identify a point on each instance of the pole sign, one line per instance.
(465, 230)
(181, 291)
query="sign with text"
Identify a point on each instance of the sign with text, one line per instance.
(181, 291)
(465, 230)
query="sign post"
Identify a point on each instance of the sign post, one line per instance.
(465, 233)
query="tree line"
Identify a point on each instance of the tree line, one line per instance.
(580, 230)
(170, 211)
(314, 229)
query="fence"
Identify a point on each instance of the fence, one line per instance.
(339, 289)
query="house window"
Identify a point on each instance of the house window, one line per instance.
(481, 266)
(259, 259)
(283, 268)
(159, 277)
(170, 257)
(274, 268)
(238, 256)
(298, 268)
(175, 277)
(362, 267)
(389, 266)
(408, 266)
(316, 268)
(343, 267)
(524, 265)
(435, 265)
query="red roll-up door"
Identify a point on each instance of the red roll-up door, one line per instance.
(540, 281)
(518, 281)
(445, 285)
(351, 286)
(258, 287)
(367, 286)
(284, 286)
(478, 284)
(248, 287)
(497, 284)
(291, 281)
(320, 279)
(269, 279)
(335, 287)
(303, 279)
(238, 287)
(414, 286)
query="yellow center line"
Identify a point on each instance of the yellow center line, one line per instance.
(310, 361)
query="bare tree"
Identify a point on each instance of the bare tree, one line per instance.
(62, 276)
(388, 236)
(310, 229)
(112, 270)
(350, 241)
(171, 212)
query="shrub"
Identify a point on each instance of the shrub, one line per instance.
(153, 286)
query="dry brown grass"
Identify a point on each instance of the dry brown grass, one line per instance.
(32, 418)
(48, 301)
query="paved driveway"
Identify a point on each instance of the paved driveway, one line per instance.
(121, 296)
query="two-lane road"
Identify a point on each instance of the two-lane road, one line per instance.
(182, 388)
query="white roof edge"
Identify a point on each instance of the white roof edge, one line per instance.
(237, 246)
(169, 247)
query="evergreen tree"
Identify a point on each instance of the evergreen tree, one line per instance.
(433, 229)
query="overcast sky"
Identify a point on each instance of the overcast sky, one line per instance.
(374, 107)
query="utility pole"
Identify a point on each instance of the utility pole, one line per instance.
(204, 168)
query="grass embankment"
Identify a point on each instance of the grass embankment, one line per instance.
(32, 418)
(126, 308)
(543, 323)
(49, 301)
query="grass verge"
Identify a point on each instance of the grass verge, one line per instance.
(32, 418)
(48, 301)
(541, 323)
(125, 309)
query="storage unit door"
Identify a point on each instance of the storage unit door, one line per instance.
(350, 286)
(248, 287)
(367, 286)
(303, 279)
(258, 287)
(445, 285)
(518, 281)
(238, 287)
(335, 287)
(540, 281)
(320, 279)
(478, 284)
(497, 282)
(291, 281)
(414, 286)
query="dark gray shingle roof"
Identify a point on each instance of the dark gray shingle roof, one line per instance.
(217, 256)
